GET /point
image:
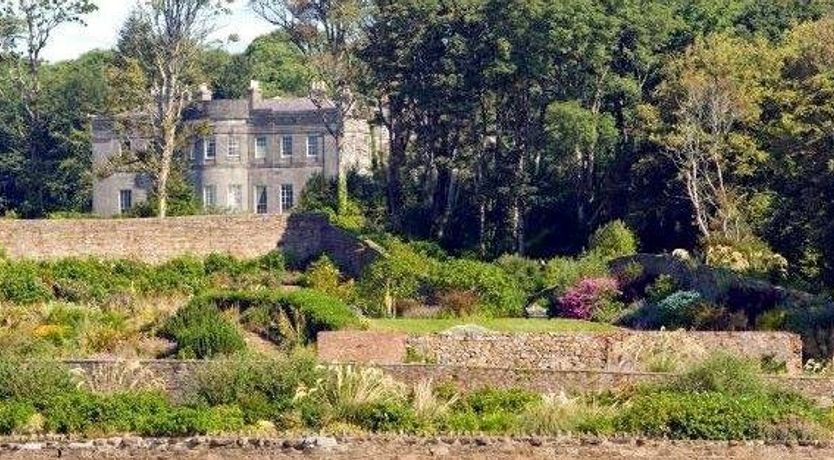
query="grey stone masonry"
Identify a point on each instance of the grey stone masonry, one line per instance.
(251, 155)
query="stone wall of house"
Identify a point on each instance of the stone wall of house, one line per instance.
(302, 237)
(619, 351)
(175, 377)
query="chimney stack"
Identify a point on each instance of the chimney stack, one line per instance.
(255, 97)
(205, 92)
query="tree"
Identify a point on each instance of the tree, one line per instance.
(164, 38)
(27, 27)
(328, 33)
(715, 94)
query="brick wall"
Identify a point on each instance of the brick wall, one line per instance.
(620, 351)
(302, 237)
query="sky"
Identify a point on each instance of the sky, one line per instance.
(73, 40)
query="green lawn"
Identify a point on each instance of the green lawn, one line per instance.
(428, 326)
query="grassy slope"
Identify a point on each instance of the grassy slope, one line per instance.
(427, 326)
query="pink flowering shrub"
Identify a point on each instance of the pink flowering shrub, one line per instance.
(584, 299)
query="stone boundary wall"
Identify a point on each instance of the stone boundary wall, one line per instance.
(302, 237)
(406, 447)
(175, 376)
(618, 351)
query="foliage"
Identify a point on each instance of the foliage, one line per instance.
(289, 318)
(528, 274)
(562, 273)
(498, 293)
(323, 276)
(587, 298)
(20, 283)
(676, 310)
(613, 240)
(661, 288)
(750, 256)
(263, 388)
(98, 281)
(723, 398)
(201, 331)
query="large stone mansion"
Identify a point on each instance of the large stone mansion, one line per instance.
(256, 157)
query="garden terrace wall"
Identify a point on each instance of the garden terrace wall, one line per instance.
(302, 237)
(619, 351)
(175, 377)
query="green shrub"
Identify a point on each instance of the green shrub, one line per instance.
(721, 373)
(273, 262)
(527, 273)
(14, 415)
(488, 401)
(324, 276)
(402, 274)
(201, 331)
(285, 317)
(384, 416)
(561, 273)
(661, 288)
(677, 310)
(723, 398)
(20, 282)
(184, 274)
(71, 412)
(264, 389)
(613, 240)
(33, 381)
(499, 295)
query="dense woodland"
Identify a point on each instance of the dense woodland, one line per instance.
(516, 126)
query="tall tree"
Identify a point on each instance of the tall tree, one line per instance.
(328, 33)
(714, 93)
(164, 38)
(28, 26)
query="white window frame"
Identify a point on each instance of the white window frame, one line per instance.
(129, 193)
(234, 198)
(260, 151)
(256, 205)
(210, 146)
(233, 152)
(284, 153)
(317, 152)
(207, 204)
(285, 188)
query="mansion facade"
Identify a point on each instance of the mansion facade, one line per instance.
(256, 155)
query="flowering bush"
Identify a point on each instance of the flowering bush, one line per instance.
(583, 300)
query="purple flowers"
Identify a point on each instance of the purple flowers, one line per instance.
(582, 300)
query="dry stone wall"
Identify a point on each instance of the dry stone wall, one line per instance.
(406, 447)
(176, 376)
(302, 237)
(620, 351)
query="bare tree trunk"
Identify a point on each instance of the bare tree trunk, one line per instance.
(165, 168)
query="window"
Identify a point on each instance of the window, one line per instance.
(313, 145)
(209, 196)
(261, 199)
(287, 198)
(260, 147)
(234, 148)
(235, 201)
(210, 151)
(125, 200)
(286, 147)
